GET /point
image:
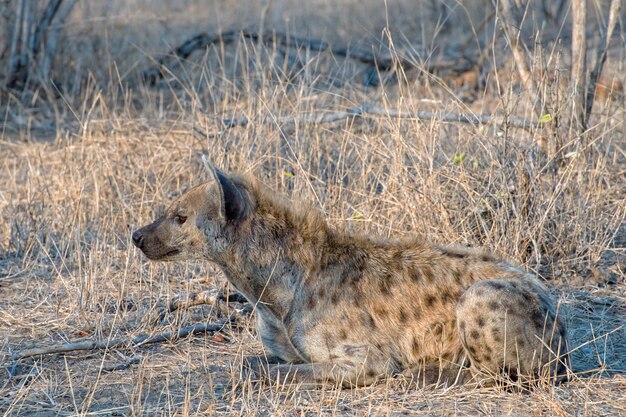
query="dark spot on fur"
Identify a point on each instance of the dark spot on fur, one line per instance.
(428, 274)
(328, 339)
(493, 305)
(332, 357)
(343, 335)
(527, 297)
(334, 298)
(488, 350)
(480, 321)
(538, 318)
(438, 329)
(321, 292)
(415, 274)
(310, 302)
(462, 325)
(415, 346)
(380, 311)
(496, 285)
(371, 374)
(520, 343)
(485, 257)
(402, 315)
(474, 334)
(384, 283)
(430, 300)
(471, 350)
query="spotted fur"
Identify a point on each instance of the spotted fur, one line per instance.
(349, 309)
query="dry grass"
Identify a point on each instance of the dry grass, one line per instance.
(82, 166)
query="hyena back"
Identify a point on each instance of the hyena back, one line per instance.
(334, 307)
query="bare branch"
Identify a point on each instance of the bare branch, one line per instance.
(364, 110)
(602, 54)
(383, 63)
(48, 14)
(121, 343)
(508, 23)
(14, 57)
(579, 63)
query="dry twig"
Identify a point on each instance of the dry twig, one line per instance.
(382, 63)
(123, 343)
(364, 110)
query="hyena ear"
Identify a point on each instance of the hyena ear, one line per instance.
(233, 204)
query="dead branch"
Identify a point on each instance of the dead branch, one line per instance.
(601, 58)
(364, 110)
(122, 343)
(507, 24)
(579, 63)
(204, 40)
(37, 42)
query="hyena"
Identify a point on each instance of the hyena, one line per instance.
(334, 307)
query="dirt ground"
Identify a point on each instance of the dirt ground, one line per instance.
(100, 150)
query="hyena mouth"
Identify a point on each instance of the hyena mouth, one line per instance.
(171, 253)
(158, 256)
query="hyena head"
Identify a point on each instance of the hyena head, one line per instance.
(198, 225)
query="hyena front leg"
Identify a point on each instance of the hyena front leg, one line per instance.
(346, 373)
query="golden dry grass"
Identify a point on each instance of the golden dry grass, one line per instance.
(80, 171)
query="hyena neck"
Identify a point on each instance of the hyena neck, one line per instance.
(273, 251)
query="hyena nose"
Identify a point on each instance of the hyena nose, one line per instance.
(138, 239)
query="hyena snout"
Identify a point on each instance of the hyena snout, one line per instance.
(138, 238)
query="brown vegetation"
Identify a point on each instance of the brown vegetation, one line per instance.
(92, 152)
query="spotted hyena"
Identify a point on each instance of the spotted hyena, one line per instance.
(348, 309)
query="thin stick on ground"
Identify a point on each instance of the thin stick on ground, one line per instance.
(123, 343)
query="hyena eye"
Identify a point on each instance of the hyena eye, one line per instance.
(181, 219)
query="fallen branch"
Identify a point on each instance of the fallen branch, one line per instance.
(364, 110)
(121, 343)
(382, 63)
